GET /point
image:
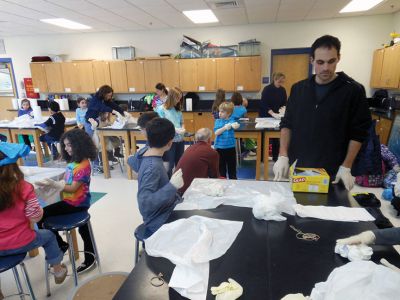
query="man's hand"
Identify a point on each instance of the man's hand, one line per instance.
(344, 174)
(281, 168)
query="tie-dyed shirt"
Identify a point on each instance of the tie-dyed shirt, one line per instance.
(78, 172)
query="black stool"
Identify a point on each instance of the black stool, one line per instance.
(66, 223)
(11, 262)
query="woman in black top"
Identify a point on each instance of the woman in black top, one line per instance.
(273, 98)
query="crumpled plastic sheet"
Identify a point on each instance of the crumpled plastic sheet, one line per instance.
(354, 252)
(240, 193)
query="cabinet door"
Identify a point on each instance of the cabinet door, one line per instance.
(203, 120)
(391, 67)
(188, 75)
(152, 74)
(248, 73)
(226, 74)
(85, 77)
(170, 72)
(70, 77)
(54, 78)
(101, 74)
(206, 75)
(135, 73)
(376, 71)
(385, 128)
(119, 80)
(188, 122)
(39, 80)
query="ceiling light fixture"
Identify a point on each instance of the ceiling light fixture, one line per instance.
(65, 23)
(360, 5)
(201, 16)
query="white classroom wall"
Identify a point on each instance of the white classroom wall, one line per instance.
(359, 36)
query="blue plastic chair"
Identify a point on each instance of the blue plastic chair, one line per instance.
(66, 223)
(11, 262)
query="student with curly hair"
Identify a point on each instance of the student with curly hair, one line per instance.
(77, 148)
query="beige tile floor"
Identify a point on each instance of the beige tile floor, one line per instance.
(114, 219)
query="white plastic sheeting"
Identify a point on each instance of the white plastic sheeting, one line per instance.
(338, 213)
(190, 244)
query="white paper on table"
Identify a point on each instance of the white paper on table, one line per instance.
(241, 193)
(359, 280)
(338, 213)
(190, 244)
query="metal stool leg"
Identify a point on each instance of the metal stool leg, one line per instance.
(46, 274)
(28, 282)
(18, 282)
(72, 257)
(96, 253)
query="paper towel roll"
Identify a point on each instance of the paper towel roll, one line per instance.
(14, 102)
(37, 113)
(64, 104)
(189, 104)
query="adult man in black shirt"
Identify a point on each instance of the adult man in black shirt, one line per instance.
(326, 120)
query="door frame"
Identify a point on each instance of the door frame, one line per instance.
(289, 51)
(9, 61)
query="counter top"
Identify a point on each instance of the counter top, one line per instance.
(383, 113)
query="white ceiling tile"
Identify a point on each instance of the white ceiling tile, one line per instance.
(182, 5)
(231, 16)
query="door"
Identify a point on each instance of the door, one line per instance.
(226, 74)
(152, 74)
(8, 90)
(376, 71)
(39, 79)
(135, 73)
(119, 81)
(101, 74)
(188, 75)
(170, 72)
(206, 75)
(296, 67)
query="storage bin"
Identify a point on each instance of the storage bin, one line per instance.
(123, 52)
(249, 48)
(221, 51)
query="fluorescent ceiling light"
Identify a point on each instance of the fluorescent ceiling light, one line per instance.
(201, 16)
(360, 5)
(65, 23)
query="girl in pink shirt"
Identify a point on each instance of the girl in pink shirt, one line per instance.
(18, 208)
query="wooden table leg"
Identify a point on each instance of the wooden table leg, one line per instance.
(258, 160)
(127, 151)
(75, 243)
(106, 166)
(38, 148)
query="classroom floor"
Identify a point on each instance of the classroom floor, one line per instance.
(114, 219)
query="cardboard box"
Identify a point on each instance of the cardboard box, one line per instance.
(309, 180)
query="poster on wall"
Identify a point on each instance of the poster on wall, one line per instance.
(29, 89)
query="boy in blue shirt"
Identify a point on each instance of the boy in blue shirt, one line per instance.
(157, 195)
(81, 112)
(225, 141)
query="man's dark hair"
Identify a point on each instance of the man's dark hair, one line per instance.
(146, 117)
(81, 143)
(54, 106)
(159, 132)
(103, 91)
(326, 41)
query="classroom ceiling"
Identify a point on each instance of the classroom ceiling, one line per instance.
(21, 17)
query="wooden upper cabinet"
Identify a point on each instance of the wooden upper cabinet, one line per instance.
(226, 74)
(170, 72)
(54, 77)
(85, 77)
(119, 80)
(391, 67)
(188, 75)
(135, 74)
(376, 70)
(101, 74)
(248, 73)
(69, 75)
(152, 74)
(206, 75)
(39, 80)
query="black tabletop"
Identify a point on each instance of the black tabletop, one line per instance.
(266, 258)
